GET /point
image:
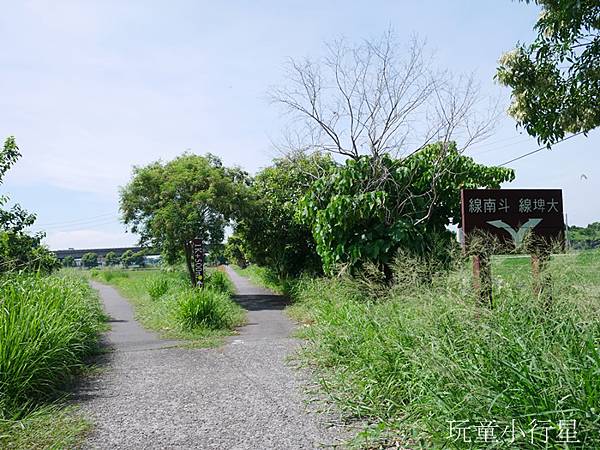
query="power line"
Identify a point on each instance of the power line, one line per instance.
(76, 226)
(500, 147)
(543, 147)
(87, 219)
(495, 144)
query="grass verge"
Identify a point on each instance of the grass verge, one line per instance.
(164, 301)
(416, 359)
(48, 427)
(49, 326)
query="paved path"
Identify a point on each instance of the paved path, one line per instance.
(240, 396)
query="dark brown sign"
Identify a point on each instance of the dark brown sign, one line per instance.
(198, 261)
(512, 214)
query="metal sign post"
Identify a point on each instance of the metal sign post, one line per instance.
(528, 218)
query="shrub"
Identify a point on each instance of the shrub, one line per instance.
(157, 287)
(47, 326)
(206, 308)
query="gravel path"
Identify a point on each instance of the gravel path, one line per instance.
(240, 396)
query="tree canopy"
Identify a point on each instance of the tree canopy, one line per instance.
(585, 237)
(18, 248)
(555, 80)
(368, 209)
(171, 203)
(111, 259)
(127, 258)
(89, 260)
(68, 261)
(271, 236)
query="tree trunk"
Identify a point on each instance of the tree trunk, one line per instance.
(188, 262)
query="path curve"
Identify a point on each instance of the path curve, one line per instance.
(240, 396)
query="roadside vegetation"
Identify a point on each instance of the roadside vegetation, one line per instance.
(49, 327)
(410, 357)
(164, 301)
(583, 238)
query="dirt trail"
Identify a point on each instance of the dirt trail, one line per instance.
(240, 396)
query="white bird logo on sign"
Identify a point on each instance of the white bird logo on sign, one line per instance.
(519, 234)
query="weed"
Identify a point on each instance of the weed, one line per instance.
(206, 308)
(157, 287)
(424, 354)
(218, 281)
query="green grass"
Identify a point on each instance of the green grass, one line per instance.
(412, 359)
(160, 298)
(49, 427)
(264, 277)
(49, 326)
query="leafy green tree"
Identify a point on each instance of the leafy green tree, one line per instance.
(235, 251)
(18, 249)
(583, 238)
(369, 208)
(89, 260)
(192, 196)
(127, 258)
(111, 259)
(555, 80)
(139, 258)
(216, 255)
(271, 235)
(68, 261)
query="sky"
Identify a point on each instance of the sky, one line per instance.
(92, 88)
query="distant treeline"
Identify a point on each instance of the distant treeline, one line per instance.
(585, 238)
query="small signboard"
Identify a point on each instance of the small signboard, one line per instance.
(198, 261)
(512, 214)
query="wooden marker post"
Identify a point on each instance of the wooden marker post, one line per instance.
(198, 262)
(541, 280)
(482, 279)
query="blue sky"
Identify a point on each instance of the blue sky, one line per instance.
(91, 88)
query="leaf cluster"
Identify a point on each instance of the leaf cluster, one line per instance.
(555, 80)
(18, 249)
(369, 208)
(271, 235)
(171, 203)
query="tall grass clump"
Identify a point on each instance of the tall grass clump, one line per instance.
(426, 354)
(48, 325)
(220, 282)
(110, 274)
(206, 308)
(157, 287)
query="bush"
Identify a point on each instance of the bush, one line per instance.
(206, 308)
(157, 287)
(47, 326)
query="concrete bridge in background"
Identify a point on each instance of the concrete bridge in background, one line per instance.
(101, 252)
